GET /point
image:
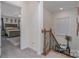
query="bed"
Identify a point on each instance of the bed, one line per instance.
(12, 30)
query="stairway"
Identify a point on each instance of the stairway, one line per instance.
(51, 43)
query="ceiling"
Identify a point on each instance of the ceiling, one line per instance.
(9, 10)
(54, 6)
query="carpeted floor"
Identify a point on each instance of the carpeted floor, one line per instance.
(14, 40)
(11, 51)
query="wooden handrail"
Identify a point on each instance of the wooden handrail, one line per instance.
(45, 30)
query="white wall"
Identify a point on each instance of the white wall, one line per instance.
(32, 25)
(25, 26)
(47, 19)
(16, 3)
(35, 17)
(8, 9)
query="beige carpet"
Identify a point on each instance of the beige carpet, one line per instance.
(14, 40)
(53, 54)
(11, 51)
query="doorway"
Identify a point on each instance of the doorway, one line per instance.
(10, 27)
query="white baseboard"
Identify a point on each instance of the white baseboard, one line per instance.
(38, 52)
(23, 48)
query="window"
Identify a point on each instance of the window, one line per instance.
(62, 26)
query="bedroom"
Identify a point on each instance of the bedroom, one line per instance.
(10, 22)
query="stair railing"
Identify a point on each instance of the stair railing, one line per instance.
(50, 41)
(54, 41)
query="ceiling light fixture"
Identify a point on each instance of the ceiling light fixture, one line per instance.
(61, 8)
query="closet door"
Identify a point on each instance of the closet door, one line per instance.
(0, 28)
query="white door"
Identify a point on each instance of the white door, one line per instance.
(0, 28)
